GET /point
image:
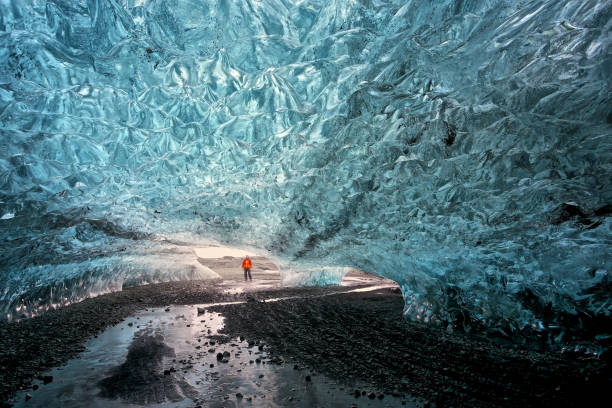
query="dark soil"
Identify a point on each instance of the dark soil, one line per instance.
(363, 336)
(32, 346)
(345, 336)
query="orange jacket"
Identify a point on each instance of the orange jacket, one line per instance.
(247, 264)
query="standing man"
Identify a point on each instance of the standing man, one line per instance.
(247, 265)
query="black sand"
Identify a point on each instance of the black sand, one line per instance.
(347, 336)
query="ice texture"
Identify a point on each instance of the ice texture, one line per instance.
(459, 147)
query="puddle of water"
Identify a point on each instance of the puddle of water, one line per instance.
(175, 358)
(371, 288)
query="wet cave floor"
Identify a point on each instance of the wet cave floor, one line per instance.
(233, 344)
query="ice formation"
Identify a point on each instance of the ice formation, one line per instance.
(459, 147)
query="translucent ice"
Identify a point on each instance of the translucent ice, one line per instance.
(461, 148)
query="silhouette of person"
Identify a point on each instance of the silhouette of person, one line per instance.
(247, 265)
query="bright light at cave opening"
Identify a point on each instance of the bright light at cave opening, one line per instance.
(220, 252)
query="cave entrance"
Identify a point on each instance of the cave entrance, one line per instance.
(227, 263)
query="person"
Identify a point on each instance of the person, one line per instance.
(247, 265)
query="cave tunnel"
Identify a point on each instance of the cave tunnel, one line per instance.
(461, 149)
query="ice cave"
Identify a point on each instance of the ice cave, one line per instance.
(462, 148)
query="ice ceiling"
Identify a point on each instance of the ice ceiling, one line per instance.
(461, 148)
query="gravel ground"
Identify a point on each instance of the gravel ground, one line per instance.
(346, 336)
(363, 336)
(32, 346)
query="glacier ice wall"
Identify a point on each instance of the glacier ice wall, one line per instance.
(459, 147)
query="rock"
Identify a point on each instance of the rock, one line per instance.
(371, 395)
(566, 212)
(47, 379)
(211, 365)
(35, 387)
(226, 354)
(219, 356)
(605, 210)
(167, 309)
(357, 393)
(28, 397)
(381, 396)
(201, 310)
(308, 379)
(166, 372)
(239, 395)
(261, 376)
